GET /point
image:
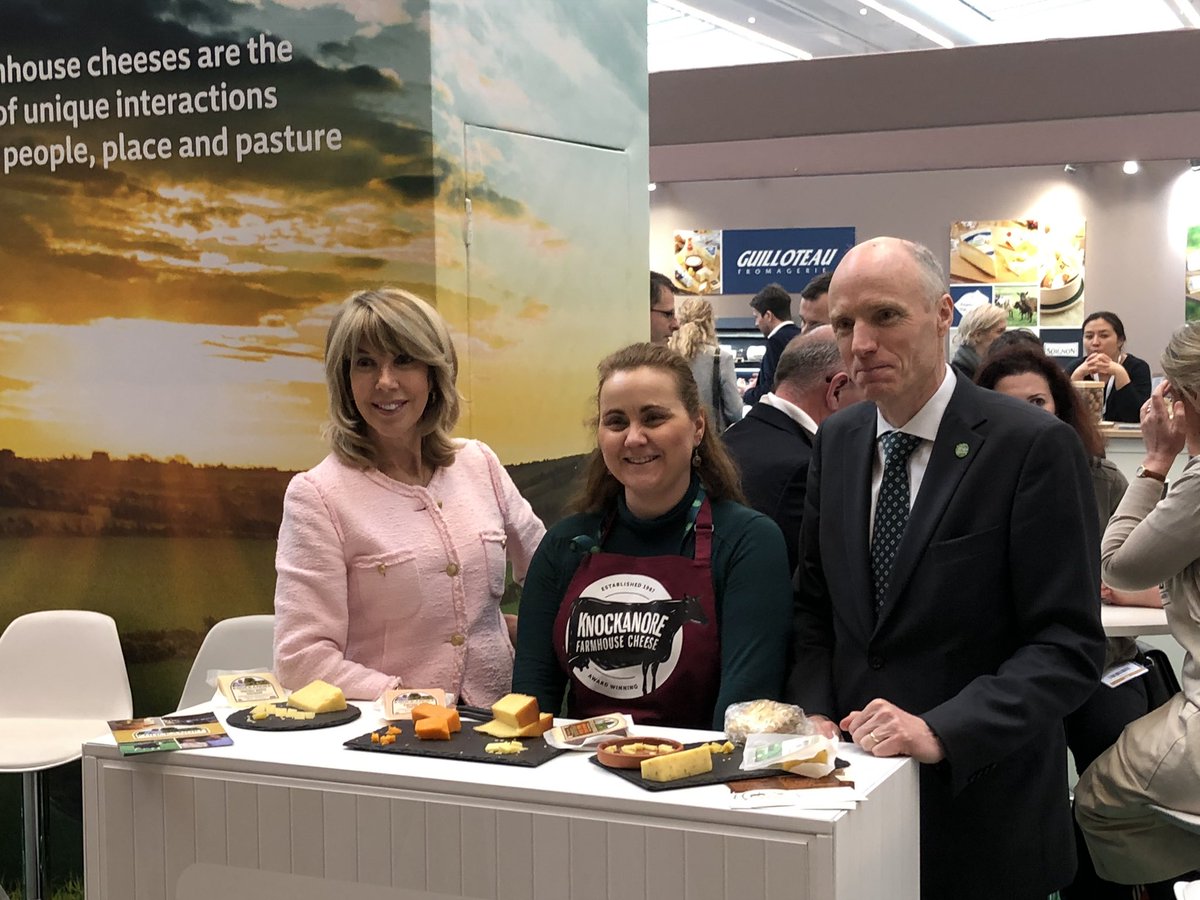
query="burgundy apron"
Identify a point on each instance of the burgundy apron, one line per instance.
(638, 634)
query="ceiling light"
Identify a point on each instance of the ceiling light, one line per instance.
(1190, 16)
(1195, 164)
(653, 186)
(751, 20)
(862, 10)
(910, 23)
(1131, 167)
(1069, 168)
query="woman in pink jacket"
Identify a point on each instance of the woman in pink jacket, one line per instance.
(392, 551)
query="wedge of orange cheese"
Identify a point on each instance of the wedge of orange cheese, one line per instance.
(435, 723)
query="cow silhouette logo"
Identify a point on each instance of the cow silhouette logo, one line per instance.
(625, 634)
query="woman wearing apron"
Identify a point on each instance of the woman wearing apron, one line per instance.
(663, 597)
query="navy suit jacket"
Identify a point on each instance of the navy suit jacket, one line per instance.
(990, 631)
(776, 344)
(772, 452)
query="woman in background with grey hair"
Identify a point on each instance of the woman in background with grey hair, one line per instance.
(712, 367)
(1153, 537)
(978, 328)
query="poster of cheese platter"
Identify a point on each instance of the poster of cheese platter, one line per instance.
(697, 268)
(1039, 263)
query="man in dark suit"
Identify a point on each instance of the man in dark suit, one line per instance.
(947, 595)
(773, 317)
(773, 443)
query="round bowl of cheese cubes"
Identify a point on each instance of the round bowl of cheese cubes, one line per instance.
(628, 752)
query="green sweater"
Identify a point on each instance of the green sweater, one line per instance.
(750, 579)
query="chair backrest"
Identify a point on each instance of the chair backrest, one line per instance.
(63, 663)
(243, 642)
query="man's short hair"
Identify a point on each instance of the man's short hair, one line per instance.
(659, 283)
(807, 361)
(933, 276)
(817, 287)
(774, 299)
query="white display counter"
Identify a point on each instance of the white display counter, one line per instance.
(1126, 449)
(297, 815)
(1133, 621)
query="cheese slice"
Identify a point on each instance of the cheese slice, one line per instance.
(673, 766)
(499, 729)
(976, 248)
(517, 710)
(318, 697)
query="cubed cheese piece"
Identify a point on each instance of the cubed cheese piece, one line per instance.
(498, 729)
(318, 697)
(516, 710)
(673, 766)
(430, 711)
(433, 728)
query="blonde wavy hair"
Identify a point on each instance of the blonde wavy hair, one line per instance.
(697, 327)
(1181, 361)
(390, 320)
(978, 321)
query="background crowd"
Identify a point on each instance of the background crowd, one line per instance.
(906, 545)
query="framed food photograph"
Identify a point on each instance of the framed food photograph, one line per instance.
(1037, 266)
(697, 268)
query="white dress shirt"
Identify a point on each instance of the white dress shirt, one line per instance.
(791, 410)
(777, 327)
(924, 425)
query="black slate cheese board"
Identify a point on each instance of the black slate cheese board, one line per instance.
(726, 768)
(467, 744)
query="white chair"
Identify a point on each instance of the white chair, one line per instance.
(64, 678)
(237, 644)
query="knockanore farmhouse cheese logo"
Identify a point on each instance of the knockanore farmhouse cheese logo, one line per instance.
(625, 634)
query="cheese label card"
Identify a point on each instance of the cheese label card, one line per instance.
(1118, 675)
(398, 703)
(149, 735)
(245, 689)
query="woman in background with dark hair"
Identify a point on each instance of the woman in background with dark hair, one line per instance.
(663, 597)
(1126, 378)
(1029, 375)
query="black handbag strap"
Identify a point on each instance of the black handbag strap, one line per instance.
(716, 389)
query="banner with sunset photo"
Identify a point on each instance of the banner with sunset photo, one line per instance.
(190, 190)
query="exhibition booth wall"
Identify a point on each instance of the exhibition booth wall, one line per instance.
(909, 143)
(1136, 225)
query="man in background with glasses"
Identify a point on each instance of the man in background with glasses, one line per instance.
(662, 308)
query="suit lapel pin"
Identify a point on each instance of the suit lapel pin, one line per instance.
(961, 450)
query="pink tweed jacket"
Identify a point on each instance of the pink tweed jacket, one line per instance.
(383, 584)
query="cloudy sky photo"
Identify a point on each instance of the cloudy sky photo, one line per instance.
(179, 306)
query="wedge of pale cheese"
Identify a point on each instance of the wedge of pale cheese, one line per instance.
(517, 710)
(498, 729)
(318, 697)
(682, 764)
